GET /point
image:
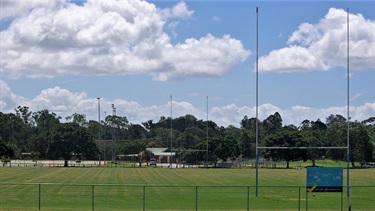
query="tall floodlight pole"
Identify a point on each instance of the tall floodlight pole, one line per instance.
(113, 134)
(207, 137)
(348, 117)
(170, 159)
(105, 138)
(256, 120)
(99, 131)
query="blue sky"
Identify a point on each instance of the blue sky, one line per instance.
(62, 55)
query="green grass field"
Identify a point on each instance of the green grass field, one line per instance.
(174, 189)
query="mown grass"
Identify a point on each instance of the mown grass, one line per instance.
(173, 189)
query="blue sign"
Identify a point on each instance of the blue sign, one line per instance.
(321, 179)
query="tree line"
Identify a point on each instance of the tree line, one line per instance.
(43, 135)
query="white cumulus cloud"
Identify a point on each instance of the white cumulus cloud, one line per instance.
(107, 37)
(180, 10)
(8, 99)
(64, 103)
(16, 8)
(211, 56)
(323, 46)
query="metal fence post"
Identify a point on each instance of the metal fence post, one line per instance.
(248, 198)
(350, 198)
(144, 198)
(307, 200)
(299, 198)
(196, 197)
(92, 197)
(39, 193)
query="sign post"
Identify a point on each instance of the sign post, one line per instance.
(323, 179)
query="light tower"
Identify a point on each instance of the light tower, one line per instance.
(99, 131)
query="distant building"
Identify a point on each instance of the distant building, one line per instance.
(162, 156)
(129, 157)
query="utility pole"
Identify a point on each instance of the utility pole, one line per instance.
(100, 153)
(207, 137)
(170, 159)
(105, 137)
(113, 134)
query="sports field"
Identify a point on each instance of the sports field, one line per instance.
(149, 188)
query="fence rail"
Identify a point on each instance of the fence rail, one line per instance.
(57, 196)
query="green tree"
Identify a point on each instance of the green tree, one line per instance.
(285, 137)
(15, 132)
(183, 122)
(40, 144)
(79, 119)
(45, 120)
(117, 125)
(24, 113)
(133, 146)
(221, 147)
(361, 148)
(135, 131)
(149, 125)
(150, 128)
(335, 119)
(163, 137)
(145, 156)
(249, 125)
(336, 136)
(248, 146)
(190, 137)
(370, 125)
(249, 135)
(273, 123)
(313, 134)
(94, 127)
(5, 150)
(68, 140)
(233, 136)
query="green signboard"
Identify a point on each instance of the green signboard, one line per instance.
(322, 179)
